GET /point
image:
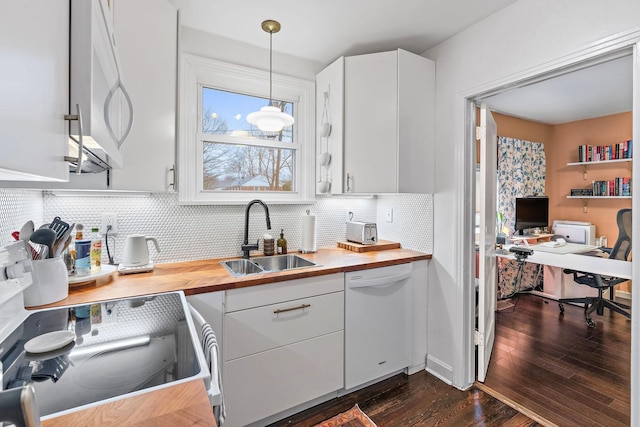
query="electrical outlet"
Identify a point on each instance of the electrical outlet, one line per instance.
(109, 219)
(389, 215)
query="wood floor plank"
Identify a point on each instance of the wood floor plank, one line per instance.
(416, 400)
(556, 366)
(548, 365)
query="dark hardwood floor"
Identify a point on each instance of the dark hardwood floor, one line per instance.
(558, 368)
(549, 366)
(416, 400)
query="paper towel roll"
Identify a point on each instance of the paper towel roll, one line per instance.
(308, 244)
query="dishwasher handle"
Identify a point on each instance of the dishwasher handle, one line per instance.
(360, 282)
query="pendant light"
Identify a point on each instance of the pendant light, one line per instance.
(270, 118)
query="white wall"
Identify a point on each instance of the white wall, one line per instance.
(234, 52)
(519, 38)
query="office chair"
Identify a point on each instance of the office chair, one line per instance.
(620, 251)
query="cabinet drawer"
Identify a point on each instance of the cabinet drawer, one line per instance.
(255, 296)
(263, 328)
(267, 383)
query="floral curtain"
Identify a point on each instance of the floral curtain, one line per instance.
(521, 172)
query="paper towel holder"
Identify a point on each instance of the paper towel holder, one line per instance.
(308, 244)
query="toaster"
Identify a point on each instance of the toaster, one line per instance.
(365, 233)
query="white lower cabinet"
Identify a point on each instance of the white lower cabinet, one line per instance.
(283, 346)
(264, 384)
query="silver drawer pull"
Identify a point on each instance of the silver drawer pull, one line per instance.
(284, 310)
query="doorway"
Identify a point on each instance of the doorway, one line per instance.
(505, 100)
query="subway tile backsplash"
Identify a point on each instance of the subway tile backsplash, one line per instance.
(201, 232)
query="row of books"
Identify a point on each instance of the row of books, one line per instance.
(614, 187)
(598, 153)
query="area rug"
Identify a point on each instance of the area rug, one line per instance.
(354, 417)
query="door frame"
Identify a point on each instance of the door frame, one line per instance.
(466, 197)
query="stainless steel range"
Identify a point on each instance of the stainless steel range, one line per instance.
(80, 355)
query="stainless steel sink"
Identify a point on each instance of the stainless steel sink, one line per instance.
(241, 267)
(283, 262)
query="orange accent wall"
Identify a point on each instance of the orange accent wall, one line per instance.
(562, 178)
(561, 147)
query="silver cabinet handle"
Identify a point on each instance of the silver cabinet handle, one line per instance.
(172, 184)
(349, 178)
(107, 102)
(284, 310)
(80, 139)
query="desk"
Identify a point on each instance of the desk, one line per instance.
(573, 261)
(531, 238)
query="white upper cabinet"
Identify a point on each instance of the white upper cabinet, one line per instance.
(388, 121)
(146, 31)
(34, 90)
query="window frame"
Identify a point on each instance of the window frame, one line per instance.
(197, 72)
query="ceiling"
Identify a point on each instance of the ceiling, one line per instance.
(597, 90)
(323, 31)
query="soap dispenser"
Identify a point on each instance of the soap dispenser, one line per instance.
(282, 243)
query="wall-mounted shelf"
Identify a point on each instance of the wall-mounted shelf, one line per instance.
(598, 197)
(585, 201)
(585, 164)
(600, 162)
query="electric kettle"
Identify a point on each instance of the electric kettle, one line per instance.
(136, 251)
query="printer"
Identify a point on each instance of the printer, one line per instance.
(575, 231)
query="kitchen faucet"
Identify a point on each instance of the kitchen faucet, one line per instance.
(246, 247)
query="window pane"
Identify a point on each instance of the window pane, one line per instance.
(225, 113)
(235, 167)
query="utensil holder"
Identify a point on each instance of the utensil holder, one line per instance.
(50, 282)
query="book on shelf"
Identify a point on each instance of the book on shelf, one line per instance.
(582, 191)
(599, 153)
(621, 186)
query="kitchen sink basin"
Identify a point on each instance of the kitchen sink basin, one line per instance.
(283, 262)
(241, 267)
(267, 264)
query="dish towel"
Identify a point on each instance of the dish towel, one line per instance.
(212, 358)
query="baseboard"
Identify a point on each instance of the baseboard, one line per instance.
(417, 368)
(439, 369)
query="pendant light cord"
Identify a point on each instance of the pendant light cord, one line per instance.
(270, 67)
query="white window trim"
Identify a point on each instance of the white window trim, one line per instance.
(196, 71)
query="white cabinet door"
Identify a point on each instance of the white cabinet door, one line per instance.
(34, 89)
(267, 383)
(370, 128)
(389, 123)
(146, 33)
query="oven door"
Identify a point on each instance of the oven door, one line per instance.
(120, 348)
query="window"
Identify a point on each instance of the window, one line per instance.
(223, 158)
(265, 162)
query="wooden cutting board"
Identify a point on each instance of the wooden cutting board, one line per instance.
(382, 245)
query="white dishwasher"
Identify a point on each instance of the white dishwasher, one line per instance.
(377, 323)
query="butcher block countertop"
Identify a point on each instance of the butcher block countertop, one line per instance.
(162, 407)
(196, 277)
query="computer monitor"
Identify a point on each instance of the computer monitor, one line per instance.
(531, 212)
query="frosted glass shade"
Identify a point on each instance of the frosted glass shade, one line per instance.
(270, 119)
